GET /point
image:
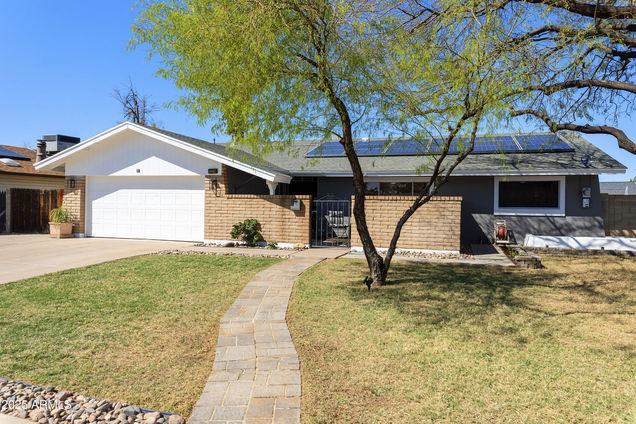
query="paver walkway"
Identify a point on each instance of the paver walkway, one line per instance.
(256, 372)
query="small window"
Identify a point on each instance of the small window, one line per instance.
(396, 189)
(418, 188)
(372, 189)
(530, 196)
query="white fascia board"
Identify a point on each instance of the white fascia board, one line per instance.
(477, 173)
(56, 159)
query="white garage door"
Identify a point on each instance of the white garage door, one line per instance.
(163, 208)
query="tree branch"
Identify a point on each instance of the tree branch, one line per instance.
(591, 10)
(584, 83)
(623, 141)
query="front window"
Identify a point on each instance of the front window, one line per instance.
(530, 196)
(394, 189)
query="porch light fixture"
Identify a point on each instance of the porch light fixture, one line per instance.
(71, 182)
(213, 185)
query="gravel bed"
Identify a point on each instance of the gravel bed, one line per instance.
(217, 253)
(46, 405)
(245, 246)
(430, 255)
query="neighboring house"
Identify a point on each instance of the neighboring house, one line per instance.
(620, 187)
(619, 208)
(26, 194)
(141, 182)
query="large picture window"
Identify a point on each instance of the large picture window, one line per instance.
(530, 196)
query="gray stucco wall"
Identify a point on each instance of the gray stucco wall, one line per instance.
(478, 205)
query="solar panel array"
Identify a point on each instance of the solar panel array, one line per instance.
(6, 153)
(531, 143)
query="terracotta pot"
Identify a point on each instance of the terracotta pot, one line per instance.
(61, 229)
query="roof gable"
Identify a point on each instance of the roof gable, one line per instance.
(194, 146)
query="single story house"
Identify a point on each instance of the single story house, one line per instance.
(26, 194)
(141, 182)
(627, 188)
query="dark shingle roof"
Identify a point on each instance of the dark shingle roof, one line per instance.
(586, 158)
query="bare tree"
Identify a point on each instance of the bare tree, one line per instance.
(136, 107)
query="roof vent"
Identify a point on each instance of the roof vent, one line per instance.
(9, 162)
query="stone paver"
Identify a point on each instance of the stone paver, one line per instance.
(256, 373)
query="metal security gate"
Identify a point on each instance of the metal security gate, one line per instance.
(331, 223)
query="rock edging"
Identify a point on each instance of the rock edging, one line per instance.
(46, 405)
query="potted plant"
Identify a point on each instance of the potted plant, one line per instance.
(60, 225)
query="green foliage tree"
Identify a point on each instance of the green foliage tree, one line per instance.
(268, 72)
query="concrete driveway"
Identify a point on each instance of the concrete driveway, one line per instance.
(29, 255)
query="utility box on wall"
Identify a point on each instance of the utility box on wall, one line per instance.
(295, 205)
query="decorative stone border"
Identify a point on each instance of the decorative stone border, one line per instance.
(46, 405)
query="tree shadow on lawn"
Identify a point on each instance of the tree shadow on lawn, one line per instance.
(441, 293)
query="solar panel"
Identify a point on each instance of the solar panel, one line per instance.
(411, 147)
(6, 153)
(543, 143)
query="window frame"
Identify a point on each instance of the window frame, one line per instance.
(558, 211)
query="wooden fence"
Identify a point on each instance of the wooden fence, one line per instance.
(619, 214)
(30, 209)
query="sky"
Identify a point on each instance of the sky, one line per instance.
(60, 61)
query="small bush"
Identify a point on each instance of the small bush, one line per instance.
(249, 231)
(59, 215)
(272, 245)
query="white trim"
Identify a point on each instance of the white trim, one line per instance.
(559, 211)
(476, 173)
(53, 161)
(271, 185)
(359, 249)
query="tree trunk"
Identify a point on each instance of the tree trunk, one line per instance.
(377, 268)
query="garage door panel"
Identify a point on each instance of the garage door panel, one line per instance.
(169, 208)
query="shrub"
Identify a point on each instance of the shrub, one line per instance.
(272, 245)
(59, 215)
(249, 231)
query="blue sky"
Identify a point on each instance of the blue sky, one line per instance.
(61, 60)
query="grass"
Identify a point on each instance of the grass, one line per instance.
(448, 343)
(141, 330)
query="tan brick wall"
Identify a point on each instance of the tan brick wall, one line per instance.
(434, 226)
(278, 222)
(75, 202)
(619, 214)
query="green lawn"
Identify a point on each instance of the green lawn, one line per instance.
(141, 330)
(446, 343)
